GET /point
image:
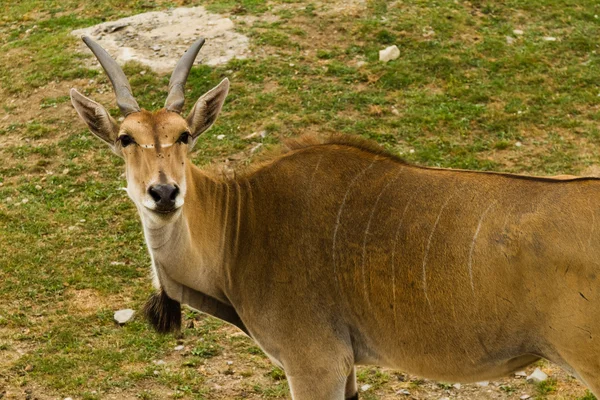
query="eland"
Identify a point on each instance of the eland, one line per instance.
(335, 253)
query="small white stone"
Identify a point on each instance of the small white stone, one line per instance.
(389, 53)
(457, 386)
(65, 171)
(521, 373)
(404, 392)
(366, 387)
(68, 398)
(179, 348)
(220, 137)
(518, 144)
(525, 397)
(549, 38)
(262, 134)
(395, 111)
(510, 40)
(123, 316)
(159, 362)
(229, 362)
(482, 383)
(38, 187)
(411, 151)
(114, 263)
(8, 199)
(537, 376)
(255, 148)
(517, 32)
(360, 64)
(25, 201)
(155, 372)
(444, 398)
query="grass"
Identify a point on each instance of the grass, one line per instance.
(71, 249)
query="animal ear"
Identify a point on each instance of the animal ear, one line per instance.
(207, 108)
(97, 118)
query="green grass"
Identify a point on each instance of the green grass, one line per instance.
(71, 246)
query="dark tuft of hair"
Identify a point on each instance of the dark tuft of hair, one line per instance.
(163, 313)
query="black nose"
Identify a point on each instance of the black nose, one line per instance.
(164, 195)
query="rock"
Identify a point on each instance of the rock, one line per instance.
(549, 38)
(123, 316)
(262, 134)
(220, 137)
(483, 384)
(115, 27)
(395, 111)
(445, 398)
(537, 376)
(518, 32)
(366, 387)
(521, 373)
(179, 348)
(360, 64)
(525, 397)
(68, 398)
(404, 392)
(518, 144)
(389, 53)
(159, 362)
(510, 40)
(457, 386)
(157, 39)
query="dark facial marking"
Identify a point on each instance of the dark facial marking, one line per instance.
(162, 178)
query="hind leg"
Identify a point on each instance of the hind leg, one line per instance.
(351, 387)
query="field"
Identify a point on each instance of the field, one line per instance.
(484, 85)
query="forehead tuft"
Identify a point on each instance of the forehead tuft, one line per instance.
(164, 124)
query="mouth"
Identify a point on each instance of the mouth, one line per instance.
(164, 211)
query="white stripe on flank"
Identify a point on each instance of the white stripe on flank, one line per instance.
(339, 217)
(473, 245)
(364, 252)
(426, 255)
(408, 203)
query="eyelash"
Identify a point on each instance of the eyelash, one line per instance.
(184, 138)
(126, 140)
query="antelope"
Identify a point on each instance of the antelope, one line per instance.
(336, 253)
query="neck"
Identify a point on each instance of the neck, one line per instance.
(195, 250)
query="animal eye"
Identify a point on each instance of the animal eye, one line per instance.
(125, 140)
(184, 138)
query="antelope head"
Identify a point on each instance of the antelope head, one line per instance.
(154, 145)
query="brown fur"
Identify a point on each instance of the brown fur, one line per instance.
(337, 253)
